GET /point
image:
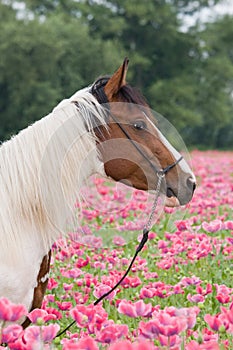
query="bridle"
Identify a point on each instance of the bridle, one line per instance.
(98, 91)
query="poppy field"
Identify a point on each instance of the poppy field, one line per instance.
(179, 293)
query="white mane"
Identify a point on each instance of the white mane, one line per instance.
(41, 171)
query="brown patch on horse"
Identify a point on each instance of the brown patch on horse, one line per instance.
(39, 290)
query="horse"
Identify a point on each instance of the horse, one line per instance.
(44, 166)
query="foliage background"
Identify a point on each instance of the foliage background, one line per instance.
(51, 48)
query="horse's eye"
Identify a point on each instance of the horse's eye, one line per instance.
(139, 125)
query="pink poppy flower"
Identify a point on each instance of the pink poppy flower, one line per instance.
(11, 333)
(83, 315)
(228, 313)
(162, 324)
(182, 225)
(147, 292)
(71, 273)
(228, 225)
(134, 309)
(126, 345)
(34, 335)
(208, 289)
(11, 312)
(214, 321)
(86, 343)
(40, 314)
(213, 226)
(65, 305)
(151, 235)
(223, 298)
(196, 298)
(171, 341)
(111, 332)
(101, 289)
(55, 312)
(190, 315)
(49, 332)
(122, 345)
(119, 241)
(91, 317)
(131, 282)
(67, 286)
(193, 345)
(52, 284)
(31, 336)
(82, 262)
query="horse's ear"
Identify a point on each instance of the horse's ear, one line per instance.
(117, 80)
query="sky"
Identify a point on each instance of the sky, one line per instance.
(209, 14)
(203, 16)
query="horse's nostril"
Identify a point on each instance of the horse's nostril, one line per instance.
(191, 184)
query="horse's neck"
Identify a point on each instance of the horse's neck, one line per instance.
(42, 170)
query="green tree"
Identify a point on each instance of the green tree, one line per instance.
(62, 45)
(214, 80)
(43, 62)
(181, 73)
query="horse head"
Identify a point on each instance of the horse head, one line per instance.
(132, 148)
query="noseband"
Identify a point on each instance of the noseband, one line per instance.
(98, 91)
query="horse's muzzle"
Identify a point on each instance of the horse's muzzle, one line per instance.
(181, 196)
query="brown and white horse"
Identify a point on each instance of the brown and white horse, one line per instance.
(44, 166)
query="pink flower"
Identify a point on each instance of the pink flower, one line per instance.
(101, 289)
(40, 314)
(228, 225)
(122, 345)
(11, 312)
(91, 317)
(126, 345)
(208, 290)
(223, 298)
(134, 309)
(83, 315)
(49, 332)
(131, 282)
(151, 235)
(213, 321)
(182, 225)
(149, 329)
(65, 305)
(86, 343)
(52, 284)
(147, 292)
(162, 324)
(118, 240)
(190, 315)
(35, 335)
(32, 336)
(213, 226)
(228, 313)
(11, 333)
(170, 341)
(196, 298)
(52, 312)
(68, 287)
(111, 332)
(211, 345)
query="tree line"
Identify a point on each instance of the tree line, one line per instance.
(51, 48)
